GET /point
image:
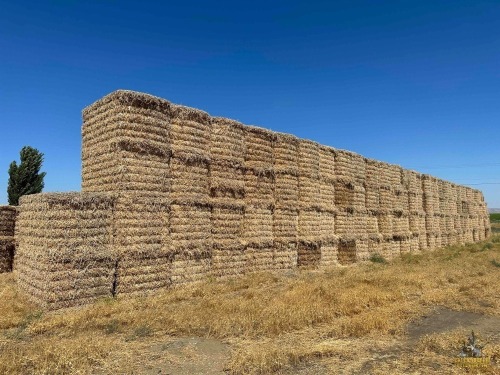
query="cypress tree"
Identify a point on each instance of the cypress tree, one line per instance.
(25, 178)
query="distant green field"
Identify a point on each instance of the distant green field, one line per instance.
(495, 218)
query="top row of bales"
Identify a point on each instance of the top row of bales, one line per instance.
(139, 143)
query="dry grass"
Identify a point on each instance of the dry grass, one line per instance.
(273, 323)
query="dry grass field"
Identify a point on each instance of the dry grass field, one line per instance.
(409, 316)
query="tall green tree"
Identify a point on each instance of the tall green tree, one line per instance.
(25, 178)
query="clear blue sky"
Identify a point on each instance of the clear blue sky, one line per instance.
(415, 83)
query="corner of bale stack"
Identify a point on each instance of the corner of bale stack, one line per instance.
(65, 255)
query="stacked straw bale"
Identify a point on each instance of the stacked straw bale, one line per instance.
(126, 144)
(7, 245)
(65, 257)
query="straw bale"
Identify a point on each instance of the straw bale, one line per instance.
(401, 226)
(386, 199)
(286, 154)
(308, 254)
(259, 258)
(285, 255)
(327, 227)
(326, 199)
(65, 256)
(414, 244)
(351, 225)
(327, 164)
(259, 189)
(259, 153)
(401, 201)
(115, 130)
(7, 220)
(432, 224)
(350, 167)
(141, 225)
(374, 173)
(375, 246)
(417, 224)
(7, 246)
(190, 133)
(228, 262)
(372, 198)
(227, 141)
(372, 229)
(329, 254)
(390, 175)
(385, 223)
(415, 202)
(309, 159)
(286, 191)
(362, 251)
(285, 225)
(309, 192)
(227, 223)
(190, 181)
(309, 229)
(189, 268)
(412, 180)
(349, 196)
(190, 228)
(258, 226)
(226, 181)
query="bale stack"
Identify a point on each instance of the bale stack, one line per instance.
(65, 255)
(430, 187)
(259, 199)
(7, 245)
(286, 201)
(227, 192)
(126, 144)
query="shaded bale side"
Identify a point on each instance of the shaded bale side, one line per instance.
(309, 254)
(349, 196)
(190, 134)
(226, 181)
(286, 191)
(227, 142)
(64, 256)
(259, 154)
(7, 247)
(7, 220)
(286, 154)
(350, 167)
